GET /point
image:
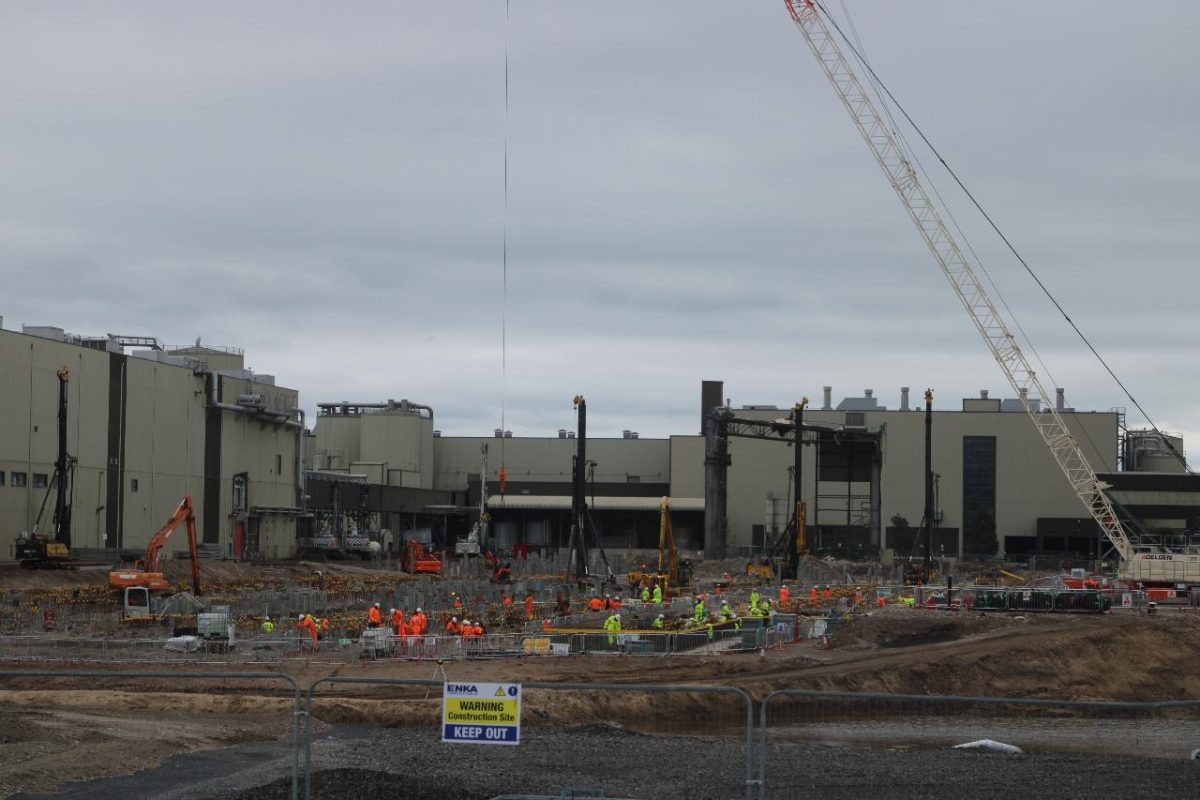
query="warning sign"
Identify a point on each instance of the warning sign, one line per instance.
(481, 713)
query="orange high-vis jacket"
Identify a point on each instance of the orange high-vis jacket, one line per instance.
(507, 601)
(595, 604)
(397, 618)
(784, 596)
(374, 616)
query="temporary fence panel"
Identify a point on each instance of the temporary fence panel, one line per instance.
(282, 761)
(864, 741)
(622, 739)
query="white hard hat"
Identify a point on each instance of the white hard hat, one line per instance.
(393, 611)
(300, 617)
(266, 619)
(661, 616)
(618, 616)
(377, 605)
(454, 619)
(419, 610)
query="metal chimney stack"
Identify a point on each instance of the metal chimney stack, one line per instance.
(1060, 398)
(904, 398)
(827, 403)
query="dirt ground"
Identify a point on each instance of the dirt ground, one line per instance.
(54, 731)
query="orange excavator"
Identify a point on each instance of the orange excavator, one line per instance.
(417, 559)
(145, 572)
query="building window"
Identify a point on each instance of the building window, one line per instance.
(40, 480)
(278, 464)
(18, 480)
(1, 477)
(979, 495)
(133, 485)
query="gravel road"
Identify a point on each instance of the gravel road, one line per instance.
(364, 763)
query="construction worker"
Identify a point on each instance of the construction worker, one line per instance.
(657, 595)
(374, 617)
(608, 602)
(699, 610)
(267, 626)
(457, 602)
(529, 606)
(595, 604)
(305, 623)
(726, 612)
(452, 627)
(784, 596)
(397, 620)
(616, 603)
(506, 601)
(612, 625)
(324, 627)
(828, 595)
(660, 621)
(813, 597)
(753, 599)
(422, 621)
(645, 594)
(880, 601)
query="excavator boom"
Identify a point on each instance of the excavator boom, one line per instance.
(146, 572)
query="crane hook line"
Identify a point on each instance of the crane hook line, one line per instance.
(504, 276)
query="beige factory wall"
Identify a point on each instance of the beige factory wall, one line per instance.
(549, 460)
(1029, 483)
(164, 445)
(164, 448)
(335, 442)
(266, 452)
(29, 425)
(404, 442)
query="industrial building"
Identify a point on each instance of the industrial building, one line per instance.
(993, 477)
(148, 424)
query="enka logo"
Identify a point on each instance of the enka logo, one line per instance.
(461, 688)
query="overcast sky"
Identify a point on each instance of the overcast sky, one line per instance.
(322, 184)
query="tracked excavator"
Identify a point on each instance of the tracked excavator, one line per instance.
(678, 573)
(145, 572)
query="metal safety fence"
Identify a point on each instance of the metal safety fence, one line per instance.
(667, 740)
(137, 682)
(572, 734)
(382, 647)
(864, 741)
(1022, 599)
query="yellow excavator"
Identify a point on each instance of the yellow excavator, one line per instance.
(677, 574)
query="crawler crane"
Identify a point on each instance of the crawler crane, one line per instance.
(1141, 563)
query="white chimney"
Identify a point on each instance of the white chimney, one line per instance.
(827, 404)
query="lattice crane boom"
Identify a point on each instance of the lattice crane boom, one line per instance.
(970, 291)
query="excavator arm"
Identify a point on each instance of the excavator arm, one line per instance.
(146, 571)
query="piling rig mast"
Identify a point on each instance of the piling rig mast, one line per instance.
(1143, 565)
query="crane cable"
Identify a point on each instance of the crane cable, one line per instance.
(909, 152)
(1008, 243)
(504, 273)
